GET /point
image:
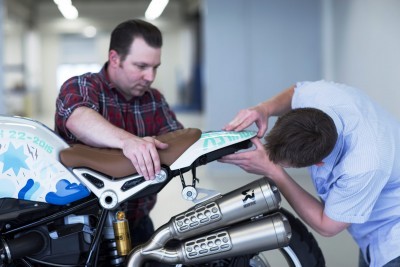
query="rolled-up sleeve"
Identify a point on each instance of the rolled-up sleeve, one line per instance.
(75, 92)
(352, 198)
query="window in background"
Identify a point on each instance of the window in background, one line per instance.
(66, 71)
(78, 55)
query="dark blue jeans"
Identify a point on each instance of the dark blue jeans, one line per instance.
(393, 263)
(141, 231)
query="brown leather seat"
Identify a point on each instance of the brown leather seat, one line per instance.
(113, 162)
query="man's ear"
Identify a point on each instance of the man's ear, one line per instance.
(113, 58)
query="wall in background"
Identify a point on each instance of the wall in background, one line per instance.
(2, 104)
(253, 50)
(365, 42)
(15, 82)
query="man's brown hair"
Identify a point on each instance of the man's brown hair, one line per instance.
(301, 138)
(125, 33)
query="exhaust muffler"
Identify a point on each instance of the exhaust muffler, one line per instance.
(256, 198)
(270, 232)
(249, 201)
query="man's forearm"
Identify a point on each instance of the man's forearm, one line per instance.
(308, 207)
(279, 104)
(92, 129)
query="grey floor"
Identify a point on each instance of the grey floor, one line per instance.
(340, 250)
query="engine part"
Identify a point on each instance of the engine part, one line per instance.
(24, 245)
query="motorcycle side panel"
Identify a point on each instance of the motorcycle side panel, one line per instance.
(29, 164)
(208, 142)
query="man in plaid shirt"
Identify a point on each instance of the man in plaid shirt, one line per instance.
(117, 108)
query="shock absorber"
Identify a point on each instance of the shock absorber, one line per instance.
(121, 233)
(109, 248)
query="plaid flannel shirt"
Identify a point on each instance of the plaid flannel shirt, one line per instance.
(148, 115)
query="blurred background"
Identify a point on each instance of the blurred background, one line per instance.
(219, 56)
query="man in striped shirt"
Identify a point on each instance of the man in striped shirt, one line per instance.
(352, 149)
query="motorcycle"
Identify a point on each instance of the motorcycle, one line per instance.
(60, 205)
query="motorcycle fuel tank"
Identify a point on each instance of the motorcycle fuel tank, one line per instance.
(29, 164)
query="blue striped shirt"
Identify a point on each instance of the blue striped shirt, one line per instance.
(360, 179)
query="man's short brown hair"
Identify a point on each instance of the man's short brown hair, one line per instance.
(301, 138)
(125, 33)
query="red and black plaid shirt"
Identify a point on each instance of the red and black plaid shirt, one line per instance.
(148, 115)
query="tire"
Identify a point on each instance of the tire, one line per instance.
(302, 251)
(303, 244)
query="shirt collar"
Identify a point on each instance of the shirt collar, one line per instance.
(104, 76)
(333, 157)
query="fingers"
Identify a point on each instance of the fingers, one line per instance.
(144, 164)
(240, 122)
(253, 161)
(144, 156)
(160, 144)
(154, 160)
(257, 142)
(234, 124)
(241, 160)
(262, 128)
(262, 125)
(241, 157)
(234, 158)
(245, 118)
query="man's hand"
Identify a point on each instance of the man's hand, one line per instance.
(276, 106)
(143, 154)
(255, 161)
(246, 117)
(86, 124)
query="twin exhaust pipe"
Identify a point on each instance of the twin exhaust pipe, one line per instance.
(223, 227)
